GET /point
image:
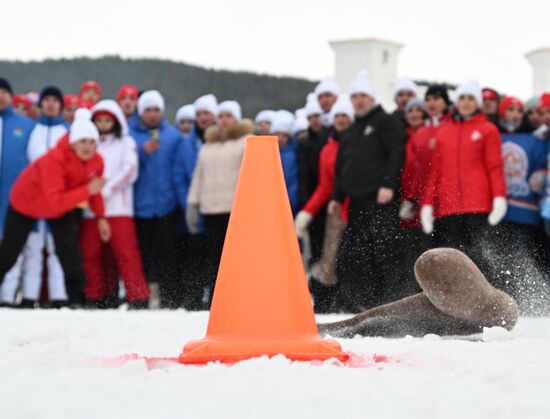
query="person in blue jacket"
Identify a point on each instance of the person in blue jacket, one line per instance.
(15, 131)
(193, 247)
(155, 198)
(288, 146)
(206, 109)
(518, 253)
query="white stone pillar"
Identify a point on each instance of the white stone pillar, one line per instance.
(378, 56)
(540, 61)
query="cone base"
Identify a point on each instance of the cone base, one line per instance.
(230, 351)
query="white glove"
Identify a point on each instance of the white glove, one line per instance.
(303, 220)
(536, 182)
(192, 218)
(427, 218)
(500, 206)
(407, 211)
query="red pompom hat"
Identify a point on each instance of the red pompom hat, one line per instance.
(21, 100)
(507, 102)
(544, 101)
(127, 90)
(70, 100)
(93, 85)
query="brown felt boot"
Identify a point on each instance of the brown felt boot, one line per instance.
(456, 300)
(456, 286)
(325, 269)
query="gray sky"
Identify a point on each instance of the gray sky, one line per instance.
(443, 40)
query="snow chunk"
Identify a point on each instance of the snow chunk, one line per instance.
(496, 334)
(432, 336)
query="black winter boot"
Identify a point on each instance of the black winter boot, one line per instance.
(27, 304)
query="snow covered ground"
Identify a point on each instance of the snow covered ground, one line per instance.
(116, 364)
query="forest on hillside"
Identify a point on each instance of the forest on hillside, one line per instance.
(180, 83)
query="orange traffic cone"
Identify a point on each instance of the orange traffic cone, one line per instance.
(261, 304)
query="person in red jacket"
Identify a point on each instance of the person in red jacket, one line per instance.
(323, 273)
(416, 115)
(415, 175)
(419, 152)
(466, 191)
(51, 188)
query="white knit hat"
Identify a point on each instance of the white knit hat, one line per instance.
(207, 103)
(300, 123)
(327, 85)
(405, 83)
(150, 99)
(362, 84)
(415, 102)
(265, 116)
(282, 122)
(312, 106)
(342, 106)
(231, 107)
(82, 127)
(186, 112)
(471, 87)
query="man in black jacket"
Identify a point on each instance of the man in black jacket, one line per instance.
(368, 171)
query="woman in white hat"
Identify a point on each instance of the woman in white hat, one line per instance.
(466, 191)
(215, 179)
(51, 188)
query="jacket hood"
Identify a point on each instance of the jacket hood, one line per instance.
(111, 106)
(214, 134)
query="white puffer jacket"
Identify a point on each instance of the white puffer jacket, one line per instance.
(43, 138)
(120, 158)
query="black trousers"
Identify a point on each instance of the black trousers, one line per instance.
(18, 227)
(157, 243)
(317, 235)
(519, 269)
(369, 254)
(471, 234)
(215, 227)
(193, 260)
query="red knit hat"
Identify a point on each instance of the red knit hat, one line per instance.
(507, 102)
(127, 90)
(21, 100)
(489, 94)
(88, 104)
(70, 100)
(103, 113)
(90, 85)
(544, 101)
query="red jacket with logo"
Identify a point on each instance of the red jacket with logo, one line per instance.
(408, 174)
(57, 183)
(418, 164)
(467, 170)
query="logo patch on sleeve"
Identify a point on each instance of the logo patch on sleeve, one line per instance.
(18, 132)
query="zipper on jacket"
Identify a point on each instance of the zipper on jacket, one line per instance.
(459, 157)
(48, 137)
